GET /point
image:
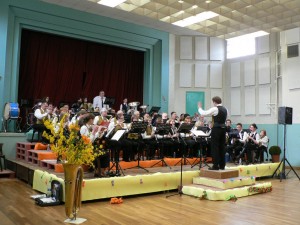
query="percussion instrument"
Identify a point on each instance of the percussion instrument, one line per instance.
(11, 111)
(133, 104)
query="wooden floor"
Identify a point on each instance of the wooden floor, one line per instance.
(281, 206)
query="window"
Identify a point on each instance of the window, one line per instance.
(242, 45)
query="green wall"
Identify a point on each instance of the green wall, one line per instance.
(40, 16)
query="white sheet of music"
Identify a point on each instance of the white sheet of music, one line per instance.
(199, 133)
(118, 135)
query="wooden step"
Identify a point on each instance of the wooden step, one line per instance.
(219, 174)
(224, 183)
(7, 174)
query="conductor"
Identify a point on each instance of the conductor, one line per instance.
(218, 132)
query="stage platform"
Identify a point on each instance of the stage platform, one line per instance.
(159, 179)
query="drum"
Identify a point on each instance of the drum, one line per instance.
(11, 111)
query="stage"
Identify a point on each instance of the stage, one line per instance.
(160, 179)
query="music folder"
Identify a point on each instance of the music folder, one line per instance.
(199, 133)
(117, 136)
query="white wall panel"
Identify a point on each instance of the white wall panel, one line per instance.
(185, 75)
(217, 48)
(264, 99)
(249, 72)
(263, 44)
(235, 74)
(264, 70)
(201, 74)
(235, 101)
(201, 48)
(216, 75)
(186, 47)
(249, 101)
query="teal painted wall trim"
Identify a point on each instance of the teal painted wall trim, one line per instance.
(41, 16)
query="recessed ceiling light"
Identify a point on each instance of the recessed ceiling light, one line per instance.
(248, 6)
(207, 1)
(194, 6)
(111, 3)
(180, 1)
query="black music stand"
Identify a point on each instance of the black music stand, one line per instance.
(154, 109)
(184, 128)
(138, 128)
(200, 156)
(109, 101)
(162, 129)
(116, 162)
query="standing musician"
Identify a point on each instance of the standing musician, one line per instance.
(99, 100)
(218, 133)
(124, 106)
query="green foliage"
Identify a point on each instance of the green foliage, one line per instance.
(275, 150)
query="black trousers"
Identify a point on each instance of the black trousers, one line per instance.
(218, 140)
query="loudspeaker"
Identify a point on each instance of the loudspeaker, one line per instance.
(285, 115)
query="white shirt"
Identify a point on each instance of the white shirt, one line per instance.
(210, 112)
(97, 102)
(264, 141)
(84, 130)
(39, 114)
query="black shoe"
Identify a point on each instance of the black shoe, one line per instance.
(213, 168)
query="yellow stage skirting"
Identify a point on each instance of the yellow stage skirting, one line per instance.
(140, 184)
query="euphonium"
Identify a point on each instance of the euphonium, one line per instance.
(73, 183)
(149, 129)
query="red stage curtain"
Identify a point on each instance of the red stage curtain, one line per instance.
(65, 69)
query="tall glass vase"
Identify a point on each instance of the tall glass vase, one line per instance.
(73, 185)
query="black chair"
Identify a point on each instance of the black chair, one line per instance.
(2, 157)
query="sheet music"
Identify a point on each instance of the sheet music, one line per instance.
(118, 135)
(199, 133)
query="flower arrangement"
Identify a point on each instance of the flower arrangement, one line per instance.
(68, 144)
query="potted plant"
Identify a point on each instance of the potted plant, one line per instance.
(275, 153)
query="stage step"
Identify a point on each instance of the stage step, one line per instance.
(34, 156)
(219, 174)
(7, 174)
(215, 194)
(22, 148)
(224, 183)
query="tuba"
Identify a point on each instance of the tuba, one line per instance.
(73, 184)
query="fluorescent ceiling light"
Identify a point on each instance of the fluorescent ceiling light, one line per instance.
(196, 19)
(111, 3)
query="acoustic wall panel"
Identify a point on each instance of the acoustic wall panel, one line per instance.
(186, 47)
(264, 71)
(292, 73)
(249, 72)
(263, 100)
(235, 102)
(216, 75)
(249, 101)
(217, 48)
(216, 92)
(235, 74)
(185, 75)
(201, 74)
(263, 44)
(201, 48)
(292, 36)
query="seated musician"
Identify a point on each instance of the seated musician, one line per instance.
(116, 124)
(262, 145)
(149, 137)
(202, 143)
(174, 135)
(96, 133)
(76, 105)
(52, 116)
(251, 143)
(102, 118)
(136, 117)
(188, 142)
(164, 140)
(237, 142)
(164, 117)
